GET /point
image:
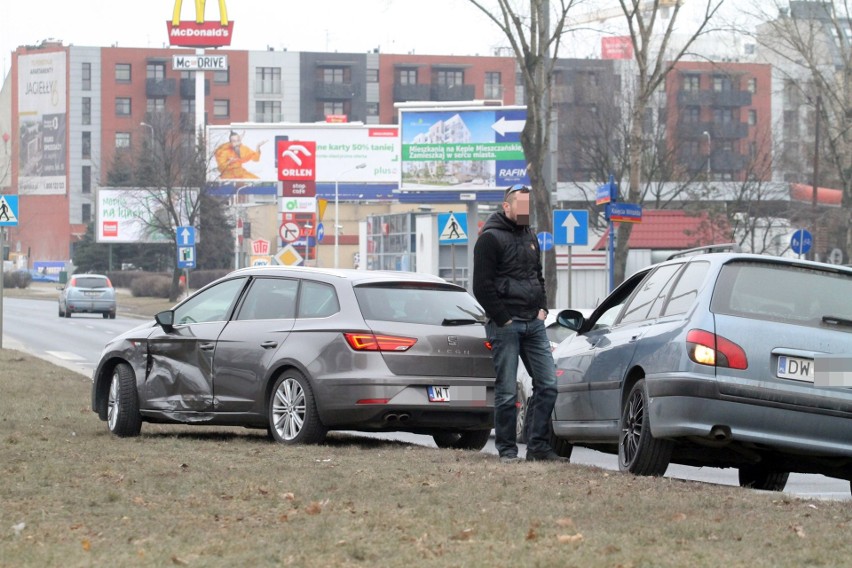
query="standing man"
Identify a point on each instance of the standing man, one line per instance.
(231, 156)
(508, 282)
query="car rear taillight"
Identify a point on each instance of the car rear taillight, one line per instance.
(373, 342)
(707, 348)
(488, 345)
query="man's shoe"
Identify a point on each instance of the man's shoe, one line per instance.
(550, 456)
(509, 459)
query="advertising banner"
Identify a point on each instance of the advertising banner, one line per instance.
(199, 32)
(247, 152)
(135, 215)
(42, 117)
(462, 148)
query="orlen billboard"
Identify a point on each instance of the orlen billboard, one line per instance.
(462, 148)
(246, 152)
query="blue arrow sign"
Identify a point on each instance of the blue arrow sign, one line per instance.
(545, 240)
(320, 232)
(186, 236)
(801, 241)
(571, 227)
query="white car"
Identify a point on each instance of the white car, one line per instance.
(557, 334)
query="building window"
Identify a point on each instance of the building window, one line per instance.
(122, 106)
(372, 75)
(722, 83)
(691, 114)
(332, 107)
(87, 77)
(372, 109)
(86, 175)
(155, 104)
(406, 76)
(723, 115)
(752, 117)
(187, 106)
(268, 80)
(752, 150)
(449, 78)
(752, 85)
(493, 85)
(122, 72)
(267, 111)
(87, 110)
(122, 140)
(155, 71)
(691, 82)
(86, 213)
(221, 108)
(334, 75)
(222, 77)
(86, 144)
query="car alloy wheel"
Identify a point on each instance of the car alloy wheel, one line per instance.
(123, 418)
(470, 440)
(293, 417)
(638, 451)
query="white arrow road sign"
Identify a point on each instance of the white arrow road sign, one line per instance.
(503, 126)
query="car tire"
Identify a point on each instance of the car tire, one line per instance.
(105, 315)
(639, 452)
(67, 312)
(292, 411)
(61, 313)
(469, 440)
(112, 315)
(757, 477)
(123, 418)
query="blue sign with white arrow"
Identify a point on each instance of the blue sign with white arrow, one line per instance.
(570, 227)
(186, 236)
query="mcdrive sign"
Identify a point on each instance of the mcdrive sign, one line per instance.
(296, 160)
(200, 33)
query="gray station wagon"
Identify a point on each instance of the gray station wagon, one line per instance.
(721, 359)
(301, 351)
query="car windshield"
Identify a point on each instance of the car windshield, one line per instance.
(797, 294)
(434, 304)
(90, 282)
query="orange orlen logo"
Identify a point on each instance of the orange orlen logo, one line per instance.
(200, 33)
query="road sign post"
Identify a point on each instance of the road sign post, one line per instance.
(801, 242)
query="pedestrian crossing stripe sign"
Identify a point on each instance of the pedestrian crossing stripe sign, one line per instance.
(8, 210)
(452, 227)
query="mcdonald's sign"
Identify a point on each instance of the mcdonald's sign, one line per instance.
(199, 32)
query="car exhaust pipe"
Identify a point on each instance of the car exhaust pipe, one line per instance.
(720, 433)
(404, 417)
(391, 417)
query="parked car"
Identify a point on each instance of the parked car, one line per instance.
(557, 334)
(87, 294)
(717, 359)
(301, 351)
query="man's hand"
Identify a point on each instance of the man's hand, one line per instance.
(542, 314)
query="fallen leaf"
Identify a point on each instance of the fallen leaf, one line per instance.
(138, 501)
(314, 508)
(87, 546)
(466, 534)
(262, 491)
(800, 532)
(679, 517)
(565, 522)
(19, 528)
(179, 561)
(570, 538)
(531, 534)
(288, 496)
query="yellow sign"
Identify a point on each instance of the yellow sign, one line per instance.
(289, 256)
(199, 12)
(321, 205)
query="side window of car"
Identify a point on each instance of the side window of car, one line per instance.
(648, 299)
(213, 304)
(270, 298)
(317, 300)
(686, 290)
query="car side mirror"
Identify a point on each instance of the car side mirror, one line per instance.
(166, 320)
(572, 319)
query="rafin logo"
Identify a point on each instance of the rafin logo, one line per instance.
(200, 33)
(513, 172)
(296, 160)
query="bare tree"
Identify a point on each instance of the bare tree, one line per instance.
(534, 34)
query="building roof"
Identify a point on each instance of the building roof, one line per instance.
(672, 229)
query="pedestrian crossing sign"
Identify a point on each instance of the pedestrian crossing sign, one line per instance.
(452, 227)
(8, 210)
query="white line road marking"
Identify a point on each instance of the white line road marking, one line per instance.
(65, 355)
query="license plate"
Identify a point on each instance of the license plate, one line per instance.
(795, 368)
(439, 394)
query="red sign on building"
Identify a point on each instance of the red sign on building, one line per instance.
(260, 247)
(296, 160)
(619, 47)
(299, 188)
(200, 33)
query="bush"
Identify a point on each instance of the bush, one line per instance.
(17, 279)
(151, 285)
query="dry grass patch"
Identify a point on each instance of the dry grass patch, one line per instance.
(74, 495)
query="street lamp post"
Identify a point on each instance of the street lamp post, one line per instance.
(709, 151)
(337, 212)
(236, 228)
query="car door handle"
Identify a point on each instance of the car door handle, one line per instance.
(269, 344)
(206, 346)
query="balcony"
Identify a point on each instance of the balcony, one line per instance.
(730, 98)
(728, 131)
(336, 91)
(728, 162)
(156, 88)
(452, 92)
(187, 88)
(694, 98)
(402, 93)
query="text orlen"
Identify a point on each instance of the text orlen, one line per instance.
(297, 172)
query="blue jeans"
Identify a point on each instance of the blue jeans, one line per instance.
(528, 341)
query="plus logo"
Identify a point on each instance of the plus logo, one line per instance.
(296, 160)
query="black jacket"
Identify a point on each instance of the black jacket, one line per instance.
(507, 275)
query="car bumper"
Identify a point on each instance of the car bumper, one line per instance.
(90, 307)
(769, 414)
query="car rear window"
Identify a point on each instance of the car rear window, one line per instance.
(91, 282)
(417, 303)
(782, 292)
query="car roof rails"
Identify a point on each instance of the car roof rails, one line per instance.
(725, 247)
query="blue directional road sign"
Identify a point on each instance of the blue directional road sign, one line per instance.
(186, 257)
(320, 232)
(186, 236)
(570, 227)
(545, 240)
(801, 241)
(8, 210)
